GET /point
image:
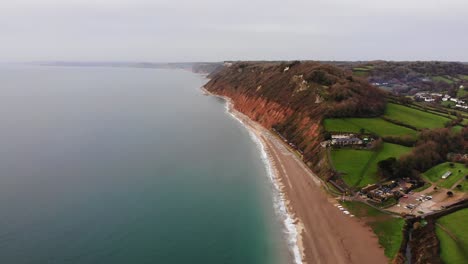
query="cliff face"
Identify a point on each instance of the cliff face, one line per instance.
(293, 98)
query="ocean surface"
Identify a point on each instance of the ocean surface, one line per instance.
(122, 165)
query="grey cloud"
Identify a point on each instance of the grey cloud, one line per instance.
(210, 30)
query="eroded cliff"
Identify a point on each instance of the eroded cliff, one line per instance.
(293, 98)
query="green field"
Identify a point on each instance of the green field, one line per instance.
(360, 166)
(374, 125)
(464, 77)
(442, 79)
(361, 73)
(361, 69)
(462, 92)
(448, 103)
(435, 173)
(414, 117)
(352, 162)
(387, 228)
(453, 240)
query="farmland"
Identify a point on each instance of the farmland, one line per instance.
(360, 166)
(442, 79)
(452, 233)
(387, 228)
(414, 117)
(370, 125)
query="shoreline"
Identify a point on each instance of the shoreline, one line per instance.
(317, 231)
(287, 217)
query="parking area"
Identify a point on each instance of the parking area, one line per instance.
(424, 202)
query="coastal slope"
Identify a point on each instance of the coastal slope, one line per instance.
(293, 98)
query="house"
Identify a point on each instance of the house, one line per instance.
(336, 136)
(446, 175)
(461, 106)
(454, 100)
(346, 141)
(444, 99)
(429, 100)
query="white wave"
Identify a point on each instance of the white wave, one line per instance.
(279, 200)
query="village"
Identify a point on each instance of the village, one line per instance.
(441, 98)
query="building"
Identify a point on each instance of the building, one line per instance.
(446, 175)
(346, 141)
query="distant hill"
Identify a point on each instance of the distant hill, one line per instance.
(409, 78)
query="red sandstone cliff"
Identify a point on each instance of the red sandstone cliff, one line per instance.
(293, 98)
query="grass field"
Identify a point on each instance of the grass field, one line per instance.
(387, 228)
(388, 150)
(453, 245)
(442, 79)
(360, 166)
(464, 77)
(448, 103)
(435, 173)
(414, 117)
(352, 162)
(373, 125)
(462, 92)
(361, 73)
(361, 69)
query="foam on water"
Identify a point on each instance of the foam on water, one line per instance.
(279, 200)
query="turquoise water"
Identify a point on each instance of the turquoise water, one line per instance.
(114, 165)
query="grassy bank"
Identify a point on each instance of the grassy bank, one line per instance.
(453, 236)
(387, 227)
(414, 117)
(458, 172)
(360, 166)
(369, 125)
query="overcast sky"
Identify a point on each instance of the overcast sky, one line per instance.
(215, 30)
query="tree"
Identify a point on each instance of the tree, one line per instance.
(388, 167)
(459, 186)
(449, 193)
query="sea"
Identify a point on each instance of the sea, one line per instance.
(130, 165)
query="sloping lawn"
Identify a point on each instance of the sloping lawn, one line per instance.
(388, 150)
(414, 117)
(360, 166)
(373, 125)
(453, 245)
(435, 173)
(387, 228)
(352, 162)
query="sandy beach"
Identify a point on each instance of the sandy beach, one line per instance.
(325, 234)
